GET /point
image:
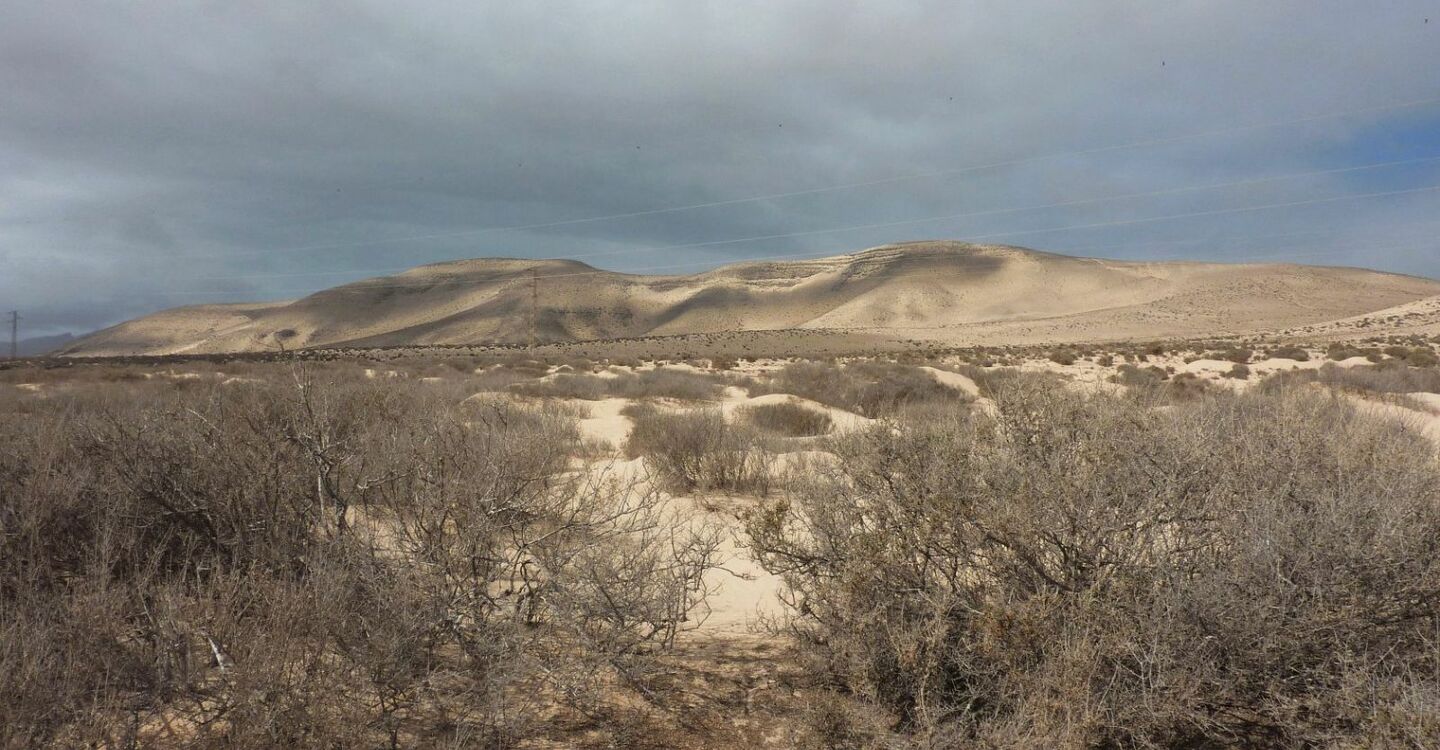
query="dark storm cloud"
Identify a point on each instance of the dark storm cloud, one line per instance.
(154, 154)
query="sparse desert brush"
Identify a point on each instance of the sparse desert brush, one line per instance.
(527, 365)
(669, 383)
(1154, 382)
(566, 385)
(1135, 376)
(1296, 353)
(991, 380)
(1386, 378)
(787, 420)
(699, 450)
(682, 385)
(1234, 354)
(1340, 352)
(1220, 573)
(1422, 356)
(872, 389)
(1239, 372)
(308, 564)
(1062, 356)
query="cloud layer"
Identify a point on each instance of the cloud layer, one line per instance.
(156, 154)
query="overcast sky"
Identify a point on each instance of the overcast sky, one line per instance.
(155, 154)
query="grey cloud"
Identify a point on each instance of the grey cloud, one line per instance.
(154, 154)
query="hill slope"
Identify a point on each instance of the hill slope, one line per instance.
(946, 291)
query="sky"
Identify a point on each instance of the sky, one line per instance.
(157, 154)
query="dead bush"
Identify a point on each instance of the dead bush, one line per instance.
(1234, 354)
(1064, 357)
(699, 450)
(788, 420)
(872, 389)
(1296, 353)
(1386, 378)
(1245, 570)
(681, 385)
(314, 564)
(990, 381)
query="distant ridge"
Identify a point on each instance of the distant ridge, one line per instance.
(945, 291)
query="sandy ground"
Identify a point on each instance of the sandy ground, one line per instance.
(744, 597)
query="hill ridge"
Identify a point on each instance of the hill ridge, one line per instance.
(962, 292)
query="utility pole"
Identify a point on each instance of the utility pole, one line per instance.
(14, 334)
(534, 305)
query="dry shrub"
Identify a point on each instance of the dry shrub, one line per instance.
(1341, 352)
(1422, 357)
(788, 420)
(1237, 355)
(1390, 377)
(699, 450)
(1064, 357)
(1155, 384)
(1296, 353)
(1254, 570)
(567, 385)
(991, 381)
(681, 385)
(872, 389)
(498, 378)
(321, 564)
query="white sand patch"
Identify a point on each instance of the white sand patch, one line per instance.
(806, 461)
(1208, 367)
(1430, 401)
(742, 593)
(605, 424)
(1424, 423)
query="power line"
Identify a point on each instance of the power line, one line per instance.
(1106, 246)
(534, 304)
(993, 235)
(824, 255)
(904, 222)
(846, 186)
(14, 334)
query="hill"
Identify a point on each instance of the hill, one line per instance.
(948, 292)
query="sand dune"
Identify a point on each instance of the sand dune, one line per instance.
(1421, 317)
(946, 291)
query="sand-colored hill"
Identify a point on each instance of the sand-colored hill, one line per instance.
(943, 291)
(1421, 318)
